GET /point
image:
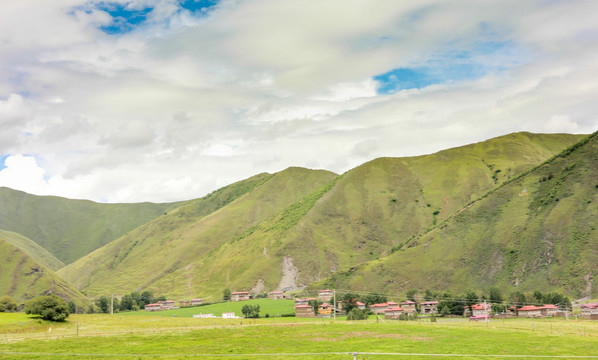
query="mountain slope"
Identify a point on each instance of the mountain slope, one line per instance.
(362, 215)
(70, 229)
(330, 224)
(23, 278)
(535, 232)
(30, 248)
(166, 244)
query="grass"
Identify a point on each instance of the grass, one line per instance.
(274, 308)
(141, 337)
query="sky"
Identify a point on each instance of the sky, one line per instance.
(167, 100)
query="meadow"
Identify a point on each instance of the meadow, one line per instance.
(100, 336)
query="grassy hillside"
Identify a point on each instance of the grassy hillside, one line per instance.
(300, 226)
(23, 278)
(537, 231)
(30, 248)
(70, 229)
(171, 242)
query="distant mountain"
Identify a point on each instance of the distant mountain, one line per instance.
(30, 248)
(299, 226)
(23, 278)
(70, 229)
(537, 231)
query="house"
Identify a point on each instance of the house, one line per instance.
(301, 301)
(360, 305)
(195, 302)
(408, 307)
(324, 310)
(378, 308)
(167, 305)
(529, 311)
(304, 311)
(482, 309)
(479, 318)
(276, 295)
(325, 295)
(393, 313)
(229, 315)
(183, 303)
(589, 310)
(153, 307)
(549, 310)
(429, 307)
(392, 304)
(239, 296)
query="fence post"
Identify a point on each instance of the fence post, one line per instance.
(354, 354)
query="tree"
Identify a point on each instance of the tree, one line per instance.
(411, 294)
(471, 298)
(251, 311)
(147, 297)
(126, 303)
(7, 304)
(517, 298)
(49, 307)
(315, 304)
(226, 295)
(357, 314)
(72, 307)
(374, 299)
(350, 302)
(103, 303)
(429, 295)
(495, 295)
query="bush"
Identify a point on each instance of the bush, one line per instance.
(49, 307)
(7, 304)
(357, 314)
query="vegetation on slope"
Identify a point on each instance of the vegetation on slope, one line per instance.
(536, 231)
(70, 229)
(23, 278)
(148, 254)
(30, 248)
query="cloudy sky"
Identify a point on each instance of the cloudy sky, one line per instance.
(164, 100)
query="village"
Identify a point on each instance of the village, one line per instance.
(322, 307)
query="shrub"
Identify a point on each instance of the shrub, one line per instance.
(7, 304)
(357, 314)
(49, 307)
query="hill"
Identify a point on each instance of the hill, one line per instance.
(30, 248)
(70, 229)
(171, 242)
(537, 231)
(299, 226)
(24, 278)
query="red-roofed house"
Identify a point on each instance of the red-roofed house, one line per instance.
(301, 301)
(429, 307)
(479, 318)
(183, 303)
(196, 302)
(378, 308)
(482, 309)
(589, 310)
(529, 311)
(325, 295)
(324, 310)
(408, 307)
(153, 307)
(393, 313)
(304, 311)
(276, 295)
(549, 310)
(360, 305)
(239, 296)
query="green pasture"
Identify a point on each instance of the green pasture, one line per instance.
(274, 308)
(150, 337)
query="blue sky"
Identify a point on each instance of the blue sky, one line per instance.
(163, 100)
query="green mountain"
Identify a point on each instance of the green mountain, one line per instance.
(30, 248)
(23, 278)
(151, 252)
(70, 229)
(537, 231)
(300, 226)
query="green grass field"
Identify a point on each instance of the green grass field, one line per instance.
(274, 308)
(152, 337)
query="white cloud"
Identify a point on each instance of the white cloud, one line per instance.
(183, 104)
